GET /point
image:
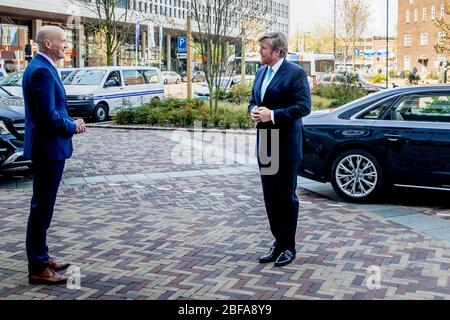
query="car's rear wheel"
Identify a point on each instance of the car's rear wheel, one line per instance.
(357, 176)
(101, 112)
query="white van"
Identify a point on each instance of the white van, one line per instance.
(99, 92)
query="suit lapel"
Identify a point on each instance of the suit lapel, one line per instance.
(258, 84)
(278, 76)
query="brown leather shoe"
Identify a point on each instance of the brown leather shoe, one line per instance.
(47, 276)
(57, 266)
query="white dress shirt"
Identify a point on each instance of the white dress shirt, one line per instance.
(48, 58)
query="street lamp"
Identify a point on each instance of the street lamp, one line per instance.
(334, 36)
(387, 44)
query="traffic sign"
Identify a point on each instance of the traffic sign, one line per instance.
(182, 45)
(182, 55)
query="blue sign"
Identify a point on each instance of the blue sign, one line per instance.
(182, 45)
(357, 52)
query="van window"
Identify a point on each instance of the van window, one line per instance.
(85, 77)
(133, 77)
(151, 76)
(114, 79)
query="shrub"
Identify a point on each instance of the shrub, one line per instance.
(241, 93)
(339, 94)
(392, 74)
(320, 103)
(433, 76)
(413, 79)
(177, 112)
(378, 78)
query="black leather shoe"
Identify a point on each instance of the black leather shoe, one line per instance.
(270, 256)
(285, 258)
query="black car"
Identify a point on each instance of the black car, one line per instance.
(12, 130)
(397, 137)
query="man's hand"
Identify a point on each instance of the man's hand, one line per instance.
(81, 126)
(255, 114)
(264, 114)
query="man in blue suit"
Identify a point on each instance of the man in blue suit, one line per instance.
(280, 98)
(48, 143)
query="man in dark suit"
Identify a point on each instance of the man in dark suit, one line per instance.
(48, 143)
(280, 98)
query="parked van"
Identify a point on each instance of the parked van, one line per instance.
(99, 92)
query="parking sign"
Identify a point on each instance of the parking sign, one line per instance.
(182, 47)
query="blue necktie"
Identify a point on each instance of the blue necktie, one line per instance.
(266, 82)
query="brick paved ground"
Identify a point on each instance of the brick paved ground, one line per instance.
(193, 232)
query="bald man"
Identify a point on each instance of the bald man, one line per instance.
(48, 143)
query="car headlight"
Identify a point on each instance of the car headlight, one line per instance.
(3, 128)
(85, 97)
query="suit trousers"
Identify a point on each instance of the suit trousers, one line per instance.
(282, 203)
(46, 181)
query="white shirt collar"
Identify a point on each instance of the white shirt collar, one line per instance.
(48, 58)
(277, 66)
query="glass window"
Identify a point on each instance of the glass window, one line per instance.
(431, 108)
(114, 79)
(85, 77)
(133, 77)
(151, 76)
(376, 112)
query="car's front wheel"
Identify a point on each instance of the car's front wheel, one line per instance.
(100, 112)
(357, 176)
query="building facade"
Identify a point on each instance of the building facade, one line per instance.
(161, 22)
(418, 35)
(370, 55)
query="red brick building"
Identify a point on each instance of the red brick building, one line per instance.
(418, 34)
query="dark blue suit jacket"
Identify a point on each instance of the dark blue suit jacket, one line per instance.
(48, 127)
(288, 95)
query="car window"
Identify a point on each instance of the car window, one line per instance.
(150, 76)
(13, 80)
(114, 79)
(426, 108)
(133, 77)
(85, 77)
(377, 111)
(4, 94)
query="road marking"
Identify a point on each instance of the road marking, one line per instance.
(335, 205)
(140, 187)
(245, 197)
(189, 191)
(114, 184)
(164, 189)
(217, 194)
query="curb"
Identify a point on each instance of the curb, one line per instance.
(113, 125)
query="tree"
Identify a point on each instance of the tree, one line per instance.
(220, 22)
(443, 25)
(352, 24)
(112, 23)
(319, 40)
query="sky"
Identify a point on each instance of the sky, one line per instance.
(305, 13)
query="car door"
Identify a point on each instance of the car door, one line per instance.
(134, 87)
(113, 90)
(416, 131)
